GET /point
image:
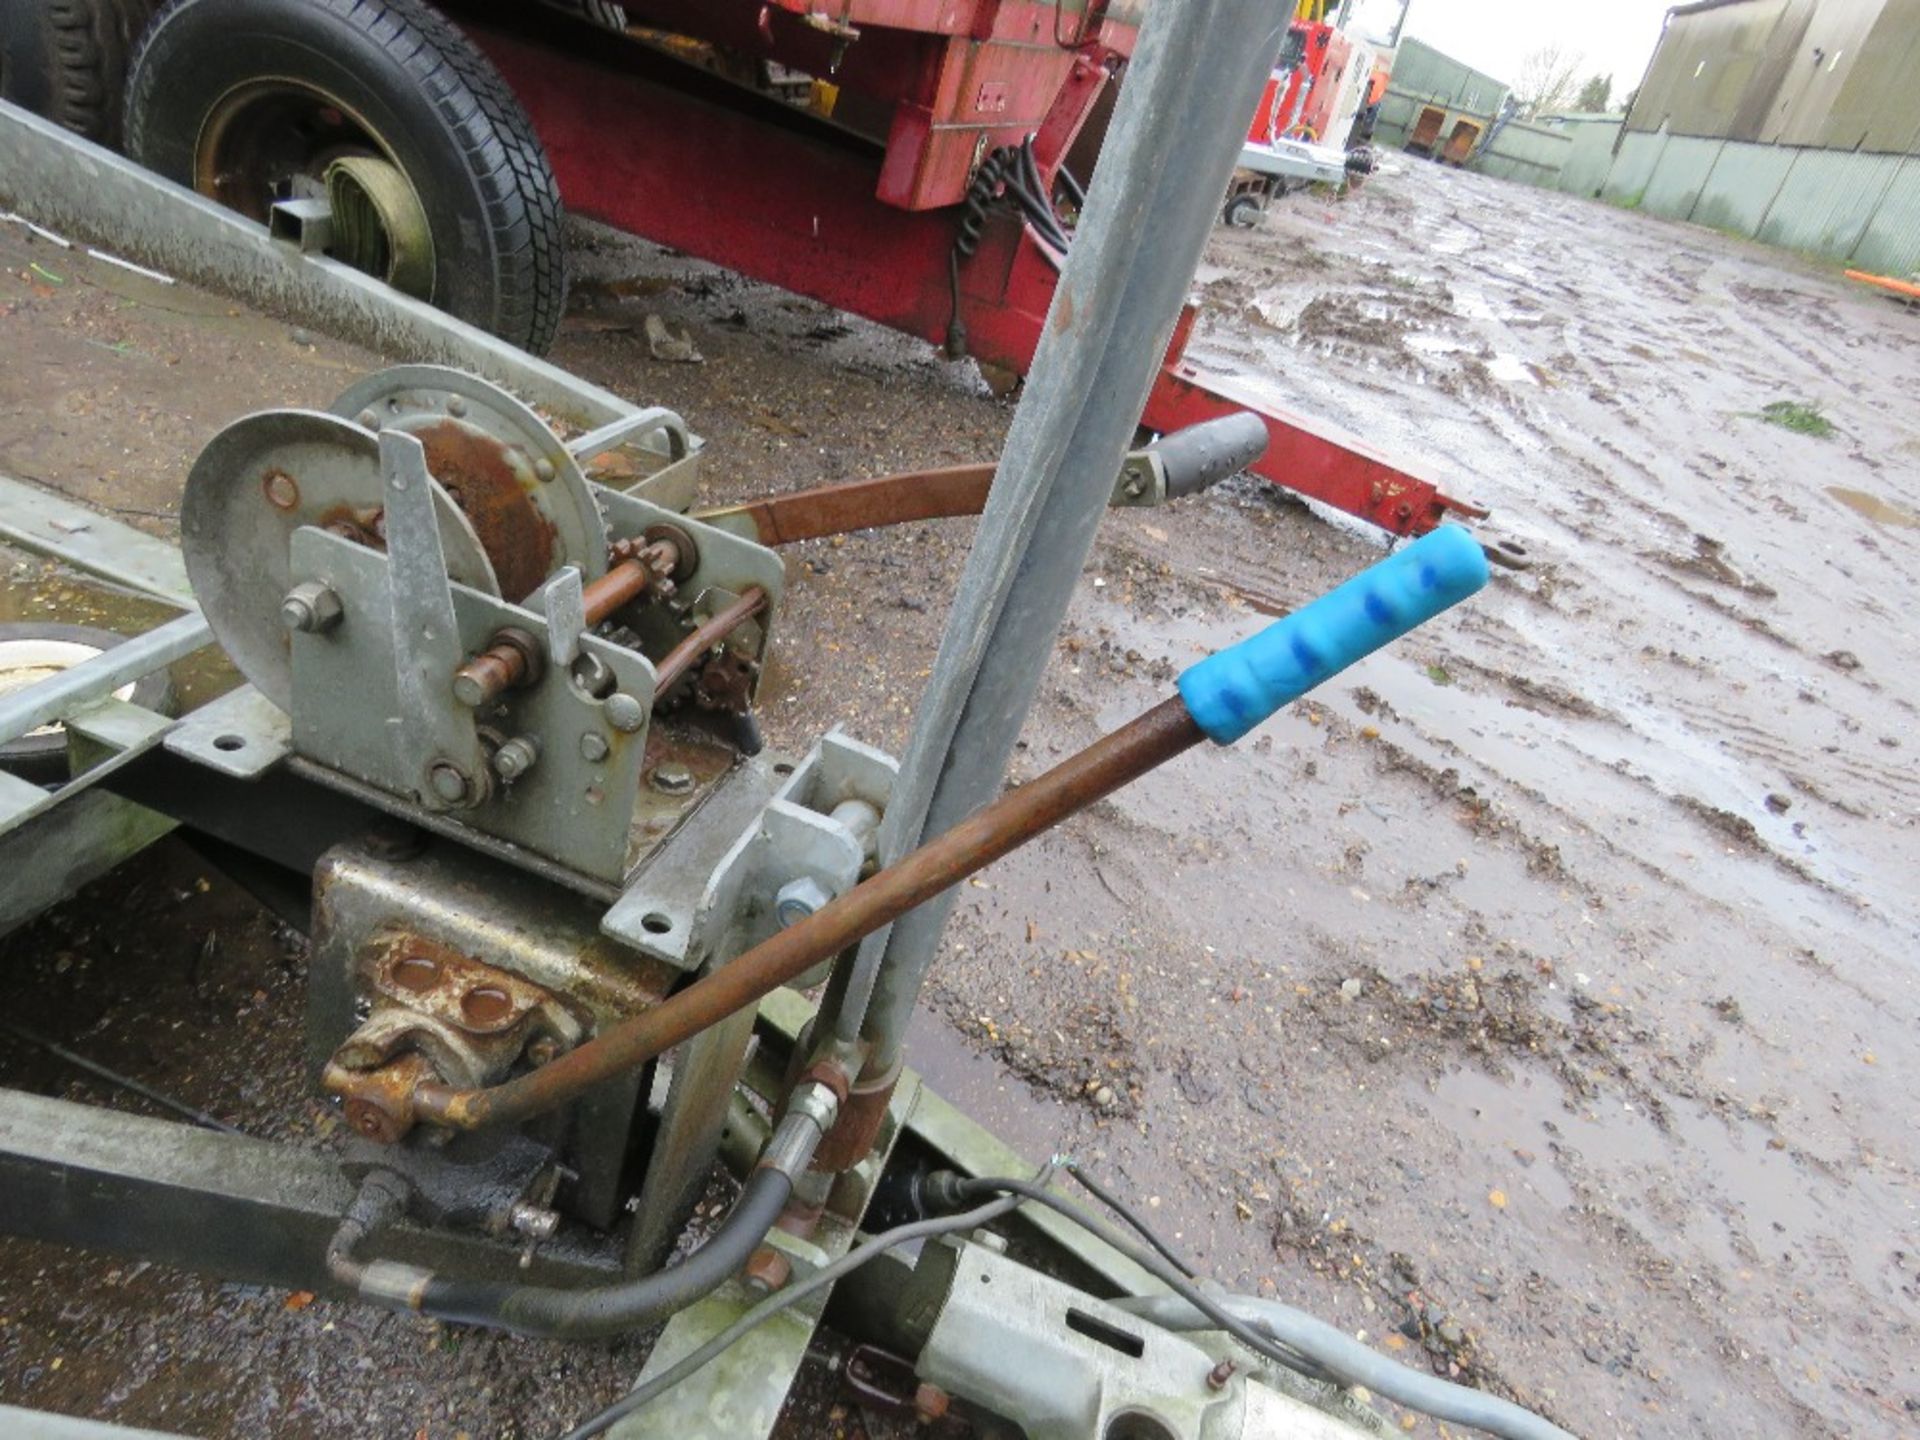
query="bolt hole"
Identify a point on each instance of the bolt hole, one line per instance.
(416, 973)
(229, 743)
(282, 490)
(654, 923)
(783, 768)
(1137, 1425)
(485, 1005)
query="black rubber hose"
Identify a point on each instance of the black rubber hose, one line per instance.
(630, 1304)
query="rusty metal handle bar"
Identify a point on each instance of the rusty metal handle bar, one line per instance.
(1220, 699)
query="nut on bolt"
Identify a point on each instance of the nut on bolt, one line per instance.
(516, 757)
(311, 608)
(769, 1270)
(797, 899)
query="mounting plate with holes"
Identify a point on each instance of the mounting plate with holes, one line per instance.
(242, 734)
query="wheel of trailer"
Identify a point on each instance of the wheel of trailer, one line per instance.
(31, 651)
(436, 180)
(1243, 212)
(67, 60)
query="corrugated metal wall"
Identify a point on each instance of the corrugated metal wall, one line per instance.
(1831, 74)
(1531, 154)
(1590, 157)
(1633, 167)
(1828, 200)
(1745, 181)
(1676, 182)
(1423, 72)
(1891, 244)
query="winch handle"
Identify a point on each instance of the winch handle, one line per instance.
(1230, 693)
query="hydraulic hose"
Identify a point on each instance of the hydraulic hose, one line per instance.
(553, 1314)
(1355, 1363)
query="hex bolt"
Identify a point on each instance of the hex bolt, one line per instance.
(448, 782)
(516, 757)
(768, 1271)
(593, 746)
(797, 899)
(311, 608)
(670, 777)
(1218, 1377)
(1136, 482)
(625, 713)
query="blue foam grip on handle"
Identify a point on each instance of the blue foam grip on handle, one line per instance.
(1230, 693)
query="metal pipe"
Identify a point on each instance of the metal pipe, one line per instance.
(1150, 740)
(1195, 77)
(506, 664)
(716, 628)
(95, 679)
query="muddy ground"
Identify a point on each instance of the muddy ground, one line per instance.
(1538, 1001)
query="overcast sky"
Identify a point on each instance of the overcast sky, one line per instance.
(1617, 37)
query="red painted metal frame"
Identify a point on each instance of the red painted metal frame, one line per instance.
(651, 146)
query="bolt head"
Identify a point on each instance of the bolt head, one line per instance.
(456, 407)
(448, 783)
(543, 468)
(310, 608)
(593, 746)
(670, 777)
(625, 713)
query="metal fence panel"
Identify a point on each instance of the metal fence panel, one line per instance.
(1590, 158)
(1680, 176)
(1828, 200)
(1633, 168)
(1531, 154)
(1742, 187)
(1891, 243)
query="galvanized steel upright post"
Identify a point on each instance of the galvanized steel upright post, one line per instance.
(1194, 80)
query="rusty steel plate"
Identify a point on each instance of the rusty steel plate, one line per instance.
(524, 494)
(259, 480)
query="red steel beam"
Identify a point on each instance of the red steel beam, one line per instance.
(650, 146)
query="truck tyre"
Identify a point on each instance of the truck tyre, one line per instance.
(67, 60)
(387, 109)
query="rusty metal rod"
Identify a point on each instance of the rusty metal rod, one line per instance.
(1017, 816)
(502, 667)
(712, 631)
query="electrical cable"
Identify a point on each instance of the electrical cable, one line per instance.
(1144, 1230)
(649, 1390)
(1076, 192)
(114, 1078)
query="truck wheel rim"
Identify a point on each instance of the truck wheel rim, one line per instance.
(275, 138)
